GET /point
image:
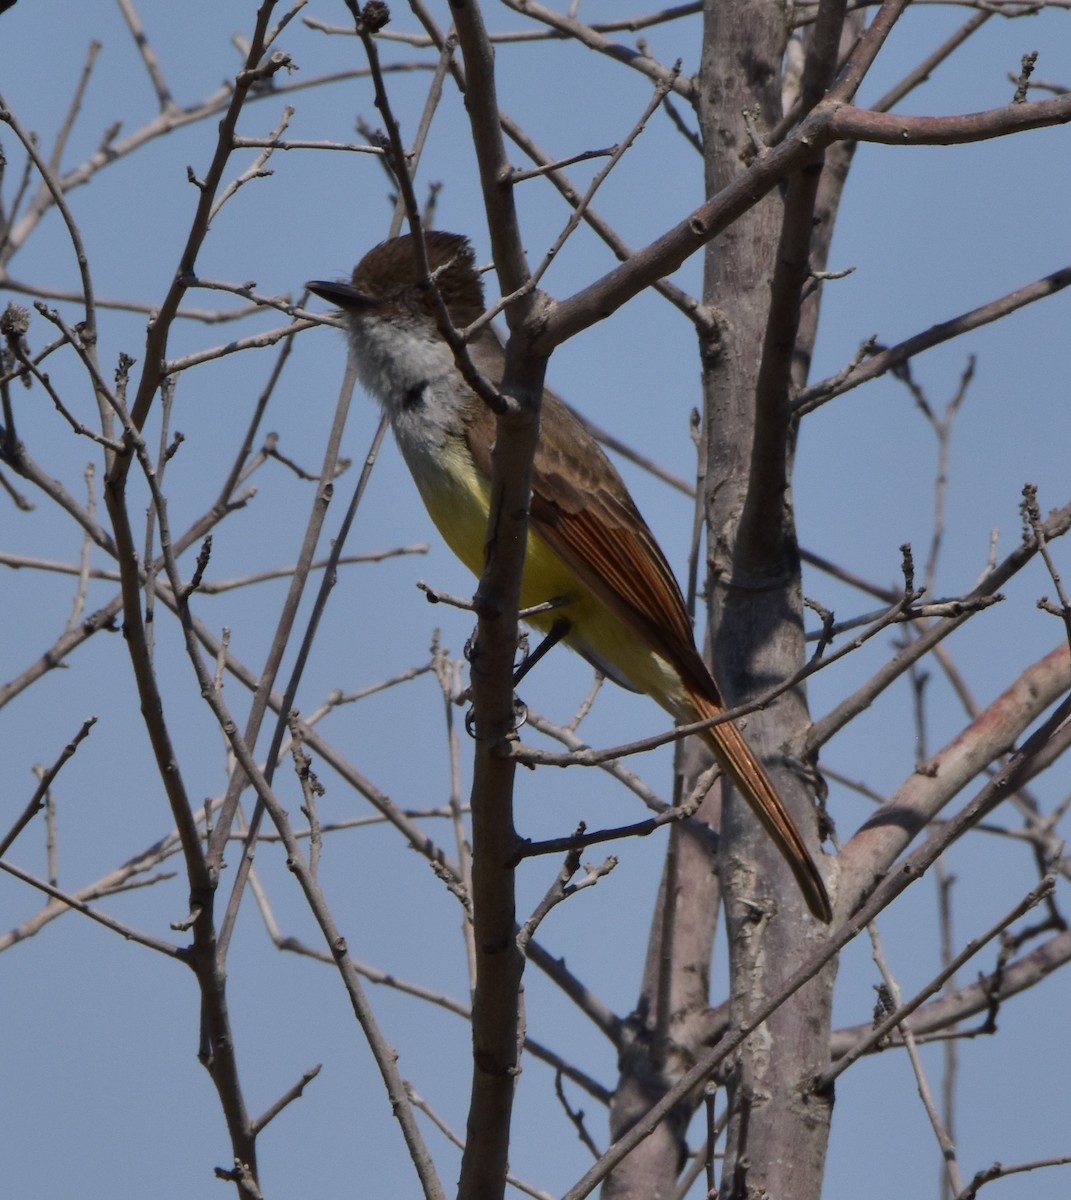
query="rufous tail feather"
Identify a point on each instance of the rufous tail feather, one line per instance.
(738, 761)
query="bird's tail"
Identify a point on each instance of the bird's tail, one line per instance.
(738, 761)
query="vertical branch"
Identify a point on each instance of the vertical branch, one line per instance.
(431, 104)
(115, 489)
(447, 673)
(217, 1050)
(667, 1025)
(88, 330)
(762, 526)
(254, 72)
(284, 628)
(152, 704)
(495, 172)
(950, 1047)
(497, 1021)
(217, 1047)
(755, 273)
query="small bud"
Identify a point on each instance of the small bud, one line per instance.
(15, 321)
(375, 15)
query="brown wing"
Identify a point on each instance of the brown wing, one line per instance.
(582, 509)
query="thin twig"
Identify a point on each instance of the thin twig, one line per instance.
(288, 1097)
(944, 1141)
(148, 56)
(36, 801)
(898, 1016)
(65, 898)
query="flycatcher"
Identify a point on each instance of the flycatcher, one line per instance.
(586, 539)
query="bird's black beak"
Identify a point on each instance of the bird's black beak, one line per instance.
(345, 295)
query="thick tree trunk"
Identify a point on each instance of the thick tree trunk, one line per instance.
(778, 1128)
(671, 1020)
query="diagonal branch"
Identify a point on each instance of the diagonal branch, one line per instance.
(891, 357)
(992, 734)
(589, 36)
(1005, 781)
(1057, 524)
(829, 122)
(255, 70)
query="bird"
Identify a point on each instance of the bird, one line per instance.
(588, 545)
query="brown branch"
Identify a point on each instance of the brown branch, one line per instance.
(582, 838)
(626, 24)
(921, 73)
(890, 995)
(956, 1006)
(122, 879)
(104, 617)
(893, 129)
(57, 653)
(55, 159)
(414, 834)
(256, 341)
(481, 103)
(676, 295)
(876, 1033)
(1003, 1170)
(902, 610)
(890, 887)
(288, 1097)
(217, 1049)
(588, 35)
(257, 169)
(204, 315)
(762, 528)
(891, 357)
(822, 730)
(613, 767)
(18, 459)
(37, 800)
(992, 734)
(513, 1180)
(592, 1006)
(70, 901)
(616, 154)
(112, 150)
(88, 329)
(255, 71)
(585, 1001)
(561, 889)
(213, 969)
(867, 49)
(828, 122)
(283, 631)
(148, 57)
(497, 1024)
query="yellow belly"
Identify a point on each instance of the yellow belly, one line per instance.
(457, 498)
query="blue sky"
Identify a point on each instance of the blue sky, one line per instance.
(102, 1091)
